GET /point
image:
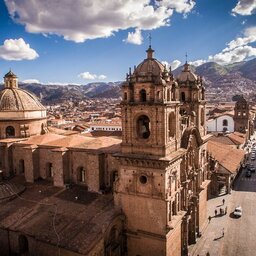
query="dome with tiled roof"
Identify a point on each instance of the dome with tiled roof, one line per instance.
(21, 113)
(187, 75)
(15, 100)
(150, 65)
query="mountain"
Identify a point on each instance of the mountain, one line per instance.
(228, 80)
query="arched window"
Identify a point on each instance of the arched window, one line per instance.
(143, 95)
(143, 127)
(158, 95)
(172, 125)
(23, 244)
(182, 96)
(114, 242)
(81, 174)
(202, 117)
(125, 96)
(225, 122)
(168, 95)
(10, 131)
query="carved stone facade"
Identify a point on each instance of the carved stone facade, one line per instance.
(162, 181)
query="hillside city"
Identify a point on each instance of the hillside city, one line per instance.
(127, 128)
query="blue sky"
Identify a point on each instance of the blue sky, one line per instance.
(98, 40)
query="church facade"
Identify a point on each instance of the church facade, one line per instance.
(154, 179)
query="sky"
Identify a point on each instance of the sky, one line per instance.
(83, 41)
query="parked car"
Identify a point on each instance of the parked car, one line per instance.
(238, 211)
(251, 168)
(248, 174)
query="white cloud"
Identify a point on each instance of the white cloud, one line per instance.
(102, 77)
(17, 49)
(237, 50)
(181, 6)
(31, 81)
(251, 31)
(197, 62)
(245, 7)
(134, 37)
(88, 76)
(174, 64)
(237, 54)
(81, 20)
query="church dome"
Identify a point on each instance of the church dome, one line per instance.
(15, 99)
(18, 104)
(187, 75)
(150, 65)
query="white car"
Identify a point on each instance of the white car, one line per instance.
(238, 211)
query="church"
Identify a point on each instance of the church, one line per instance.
(143, 194)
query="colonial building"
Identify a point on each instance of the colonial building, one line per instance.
(162, 180)
(144, 194)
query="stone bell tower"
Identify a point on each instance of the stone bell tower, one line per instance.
(150, 109)
(192, 98)
(148, 184)
(241, 116)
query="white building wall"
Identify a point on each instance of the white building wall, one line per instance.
(216, 125)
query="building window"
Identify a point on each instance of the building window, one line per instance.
(23, 244)
(143, 179)
(125, 96)
(143, 95)
(158, 95)
(10, 131)
(172, 125)
(182, 96)
(225, 122)
(143, 127)
(202, 117)
(49, 170)
(21, 166)
(168, 95)
(81, 174)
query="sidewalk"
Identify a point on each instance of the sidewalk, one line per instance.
(212, 237)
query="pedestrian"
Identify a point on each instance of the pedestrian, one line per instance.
(226, 210)
(209, 218)
(223, 233)
(220, 211)
(216, 212)
(207, 254)
(223, 201)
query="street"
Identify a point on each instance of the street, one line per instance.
(226, 235)
(241, 233)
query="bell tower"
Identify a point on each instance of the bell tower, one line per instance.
(148, 184)
(150, 109)
(241, 116)
(192, 98)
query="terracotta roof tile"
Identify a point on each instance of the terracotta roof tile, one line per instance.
(229, 157)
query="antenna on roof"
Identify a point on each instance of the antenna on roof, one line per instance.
(186, 57)
(150, 39)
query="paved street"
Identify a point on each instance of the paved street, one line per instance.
(239, 233)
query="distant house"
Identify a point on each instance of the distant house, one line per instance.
(225, 163)
(221, 123)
